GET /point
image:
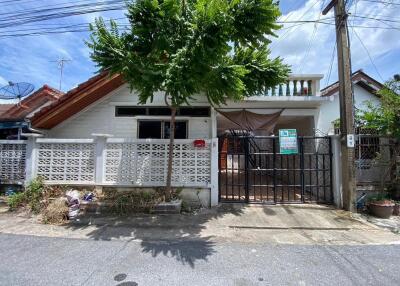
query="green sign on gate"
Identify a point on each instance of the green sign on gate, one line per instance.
(288, 141)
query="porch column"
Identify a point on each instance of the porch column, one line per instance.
(214, 172)
(336, 172)
(213, 123)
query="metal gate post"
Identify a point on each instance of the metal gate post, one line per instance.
(302, 179)
(330, 168)
(274, 167)
(246, 166)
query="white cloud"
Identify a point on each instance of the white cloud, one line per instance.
(293, 43)
(32, 59)
(3, 81)
(29, 58)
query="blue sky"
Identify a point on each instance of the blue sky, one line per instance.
(307, 48)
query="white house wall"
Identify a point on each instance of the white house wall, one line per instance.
(329, 110)
(99, 118)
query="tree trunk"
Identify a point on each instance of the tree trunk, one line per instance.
(168, 189)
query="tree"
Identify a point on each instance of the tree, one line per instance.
(385, 119)
(184, 48)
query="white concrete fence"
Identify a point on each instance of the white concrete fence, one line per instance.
(122, 162)
(12, 161)
(110, 162)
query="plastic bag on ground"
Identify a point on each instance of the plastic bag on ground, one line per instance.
(73, 203)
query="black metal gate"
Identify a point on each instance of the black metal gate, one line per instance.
(251, 169)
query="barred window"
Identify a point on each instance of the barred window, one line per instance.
(367, 147)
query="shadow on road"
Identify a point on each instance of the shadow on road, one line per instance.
(175, 236)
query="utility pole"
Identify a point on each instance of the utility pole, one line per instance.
(346, 103)
(61, 62)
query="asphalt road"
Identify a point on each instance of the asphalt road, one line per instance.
(29, 260)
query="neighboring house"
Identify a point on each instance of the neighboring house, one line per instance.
(365, 88)
(14, 118)
(372, 151)
(97, 134)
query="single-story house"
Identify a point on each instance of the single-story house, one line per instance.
(98, 134)
(14, 118)
(365, 90)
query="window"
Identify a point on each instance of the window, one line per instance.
(150, 129)
(194, 111)
(159, 111)
(123, 111)
(367, 147)
(131, 111)
(180, 129)
(160, 129)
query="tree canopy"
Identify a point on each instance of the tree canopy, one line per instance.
(184, 48)
(385, 118)
(218, 48)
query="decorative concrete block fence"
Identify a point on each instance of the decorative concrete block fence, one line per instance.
(142, 163)
(12, 161)
(111, 162)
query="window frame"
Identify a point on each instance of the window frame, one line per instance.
(148, 112)
(162, 127)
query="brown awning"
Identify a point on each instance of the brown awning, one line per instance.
(249, 121)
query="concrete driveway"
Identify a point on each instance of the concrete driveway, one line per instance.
(306, 224)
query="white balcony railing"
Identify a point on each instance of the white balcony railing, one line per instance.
(297, 85)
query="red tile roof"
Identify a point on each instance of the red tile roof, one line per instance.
(27, 106)
(4, 108)
(76, 100)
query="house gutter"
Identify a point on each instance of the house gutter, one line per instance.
(33, 130)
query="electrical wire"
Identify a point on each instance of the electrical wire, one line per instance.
(331, 64)
(377, 19)
(369, 55)
(40, 15)
(311, 40)
(55, 30)
(290, 30)
(382, 2)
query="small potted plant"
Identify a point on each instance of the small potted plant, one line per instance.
(380, 206)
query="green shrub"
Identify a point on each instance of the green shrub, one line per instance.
(34, 194)
(31, 197)
(16, 200)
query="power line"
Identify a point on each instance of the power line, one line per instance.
(85, 29)
(369, 55)
(314, 33)
(40, 15)
(290, 30)
(382, 2)
(331, 64)
(377, 19)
